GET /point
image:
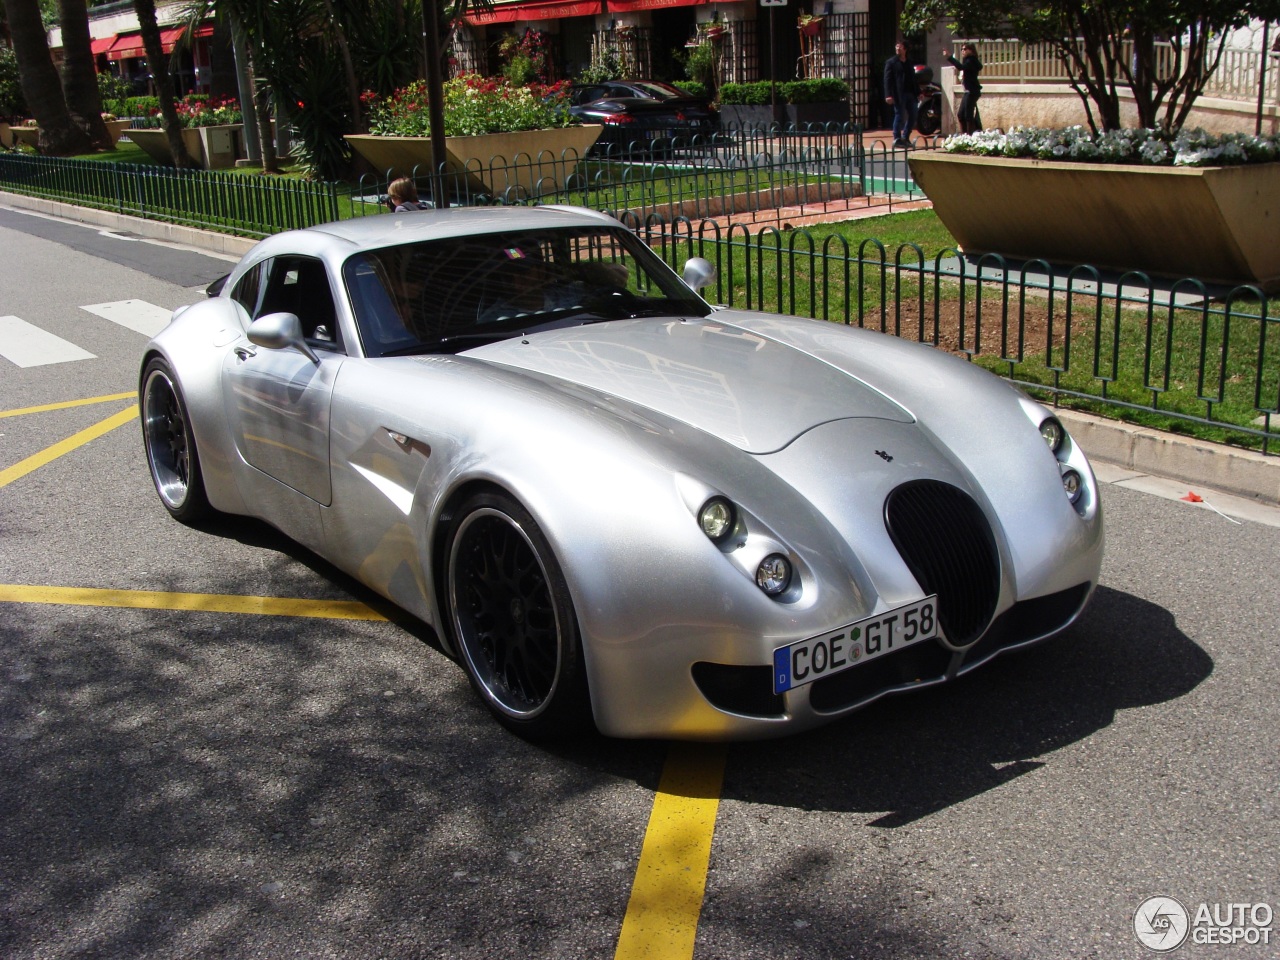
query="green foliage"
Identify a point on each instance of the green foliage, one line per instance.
(12, 103)
(114, 92)
(702, 64)
(758, 92)
(692, 87)
(604, 66)
(819, 90)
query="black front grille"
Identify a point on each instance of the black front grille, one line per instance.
(946, 543)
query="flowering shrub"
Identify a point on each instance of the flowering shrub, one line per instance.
(199, 110)
(1187, 148)
(472, 105)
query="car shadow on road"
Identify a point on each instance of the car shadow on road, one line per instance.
(908, 756)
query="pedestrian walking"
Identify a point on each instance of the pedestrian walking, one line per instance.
(902, 92)
(969, 66)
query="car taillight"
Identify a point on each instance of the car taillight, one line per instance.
(618, 118)
(680, 115)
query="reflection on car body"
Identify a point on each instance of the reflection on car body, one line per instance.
(614, 503)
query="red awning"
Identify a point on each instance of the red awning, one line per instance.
(101, 44)
(631, 6)
(551, 10)
(129, 46)
(202, 31)
(126, 47)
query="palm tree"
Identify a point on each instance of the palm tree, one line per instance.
(79, 79)
(158, 64)
(60, 135)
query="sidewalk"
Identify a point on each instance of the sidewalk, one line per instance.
(1134, 454)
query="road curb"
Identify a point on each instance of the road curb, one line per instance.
(211, 241)
(1244, 473)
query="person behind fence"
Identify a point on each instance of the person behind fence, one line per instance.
(969, 66)
(902, 92)
(402, 195)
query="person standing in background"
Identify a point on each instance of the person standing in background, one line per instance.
(902, 93)
(969, 66)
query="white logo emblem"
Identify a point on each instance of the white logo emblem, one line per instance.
(1161, 923)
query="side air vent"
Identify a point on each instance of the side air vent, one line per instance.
(946, 542)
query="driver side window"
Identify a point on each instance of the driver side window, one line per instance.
(300, 285)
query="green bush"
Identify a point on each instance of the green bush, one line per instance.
(820, 90)
(757, 93)
(11, 102)
(139, 107)
(692, 87)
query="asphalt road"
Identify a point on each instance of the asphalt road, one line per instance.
(185, 783)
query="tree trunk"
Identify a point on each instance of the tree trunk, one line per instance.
(60, 135)
(158, 64)
(262, 101)
(79, 78)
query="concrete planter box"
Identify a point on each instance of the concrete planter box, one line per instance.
(9, 136)
(1215, 223)
(25, 136)
(799, 114)
(116, 128)
(213, 148)
(528, 162)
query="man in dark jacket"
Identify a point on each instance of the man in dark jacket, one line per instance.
(902, 93)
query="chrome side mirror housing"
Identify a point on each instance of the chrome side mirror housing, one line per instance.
(280, 331)
(699, 273)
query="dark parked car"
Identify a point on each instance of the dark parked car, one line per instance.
(643, 116)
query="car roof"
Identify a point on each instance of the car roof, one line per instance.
(344, 237)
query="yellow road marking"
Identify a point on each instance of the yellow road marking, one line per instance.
(203, 602)
(66, 404)
(38, 460)
(671, 878)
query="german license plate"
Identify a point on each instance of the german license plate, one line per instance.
(808, 660)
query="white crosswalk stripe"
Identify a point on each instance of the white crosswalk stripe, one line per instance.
(137, 315)
(26, 345)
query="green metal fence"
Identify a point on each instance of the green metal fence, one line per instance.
(1178, 354)
(252, 206)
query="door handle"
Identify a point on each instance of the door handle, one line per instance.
(244, 353)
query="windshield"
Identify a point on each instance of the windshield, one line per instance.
(663, 91)
(451, 294)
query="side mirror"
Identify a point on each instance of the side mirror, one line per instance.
(280, 331)
(699, 273)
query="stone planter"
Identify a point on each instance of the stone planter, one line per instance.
(213, 148)
(6, 138)
(25, 136)
(1215, 223)
(116, 128)
(797, 114)
(525, 163)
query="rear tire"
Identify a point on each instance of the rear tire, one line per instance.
(171, 446)
(512, 620)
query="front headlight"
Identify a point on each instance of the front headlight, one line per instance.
(717, 519)
(773, 576)
(1053, 433)
(1072, 485)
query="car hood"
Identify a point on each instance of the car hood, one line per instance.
(739, 384)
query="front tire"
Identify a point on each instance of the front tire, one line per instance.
(513, 622)
(171, 446)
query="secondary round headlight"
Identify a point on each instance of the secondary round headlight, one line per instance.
(1072, 485)
(1053, 434)
(773, 576)
(717, 518)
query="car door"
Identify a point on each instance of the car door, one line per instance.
(278, 400)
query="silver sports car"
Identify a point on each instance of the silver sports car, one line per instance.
(612, 501)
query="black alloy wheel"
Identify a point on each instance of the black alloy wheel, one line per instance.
(513, 622)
